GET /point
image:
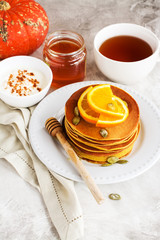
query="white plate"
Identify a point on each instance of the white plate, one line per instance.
(145, 153)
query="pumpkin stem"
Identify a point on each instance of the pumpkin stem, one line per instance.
(4, 6)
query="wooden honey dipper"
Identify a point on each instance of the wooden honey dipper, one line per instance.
(55, 129)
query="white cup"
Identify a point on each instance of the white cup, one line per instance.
(126, 72)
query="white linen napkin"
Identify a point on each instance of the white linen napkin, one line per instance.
(58, 192)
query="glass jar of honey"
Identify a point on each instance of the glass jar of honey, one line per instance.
(65, 53)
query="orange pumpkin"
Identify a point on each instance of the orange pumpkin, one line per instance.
(23, 27)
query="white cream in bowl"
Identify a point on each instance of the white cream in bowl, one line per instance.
(24, 80)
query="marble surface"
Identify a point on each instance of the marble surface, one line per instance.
(136, 216)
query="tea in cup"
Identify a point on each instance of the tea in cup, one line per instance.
(126, 53)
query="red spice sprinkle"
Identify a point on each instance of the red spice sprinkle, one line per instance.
(10, 84)
(22, 90)
(31, 74)
(20, 79)
(11, 76)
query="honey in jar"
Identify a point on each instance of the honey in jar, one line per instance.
(65, 53)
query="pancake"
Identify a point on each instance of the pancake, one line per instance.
(105, 148)
(86, 139)
(101, 157)
(90, 141)
(120, 131)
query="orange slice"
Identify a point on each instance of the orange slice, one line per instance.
(102, 100)
(86, 112)
(102, 117)
(108, 121)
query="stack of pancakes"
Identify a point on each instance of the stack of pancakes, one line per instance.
(86, 139)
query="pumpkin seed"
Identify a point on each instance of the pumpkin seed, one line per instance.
(111, 106)
(125, 103)
(76, 120)
(103, 133)
(122, 161)
(47, 64)
(114, 196)
(76, 112)
(106, 164)
(112, 159)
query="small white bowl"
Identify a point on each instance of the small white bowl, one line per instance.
(126, 72)
(24, 62)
